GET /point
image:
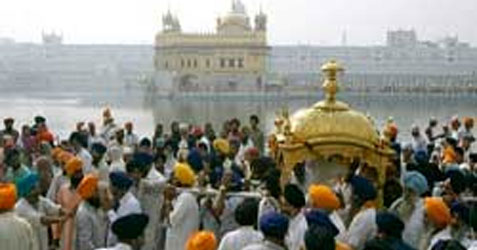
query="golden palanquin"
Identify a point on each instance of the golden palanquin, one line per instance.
(329, 131)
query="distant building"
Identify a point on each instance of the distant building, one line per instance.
(233, 58)
(401, 38)
(52, 38)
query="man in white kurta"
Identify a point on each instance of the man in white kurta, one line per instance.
(90, 227)
(125, 202)
(183, 220)
(292, 205)
(363, 225)
(34, 213)
(245, 216)
(150, 195)
(36, 209)
(15, 232)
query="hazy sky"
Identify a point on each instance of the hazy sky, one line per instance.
(290, 21)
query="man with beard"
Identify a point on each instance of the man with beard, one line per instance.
(182, 215)
(148, 188)
(124, 201)
(292, 205)
(100, 167)
(90, 228)
(436, 223)
(80, 144)
(363, 224)
(37, 210)
(410, 207)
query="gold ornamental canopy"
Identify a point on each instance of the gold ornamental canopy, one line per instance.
(329, 131)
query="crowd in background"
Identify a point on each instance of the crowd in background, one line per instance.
(192, 187)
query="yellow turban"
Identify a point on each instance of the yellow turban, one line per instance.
(64, 157)
(203, 240)
(437, 211)
(56, 152)
(73, 165)
(87, 186)
(184, 174)
(8, 196)
(323, 197)
(222, 146)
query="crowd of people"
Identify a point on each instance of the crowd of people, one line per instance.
(191, 188)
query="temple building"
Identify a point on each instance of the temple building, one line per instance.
(232, 58)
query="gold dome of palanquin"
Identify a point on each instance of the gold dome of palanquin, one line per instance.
(329, 129)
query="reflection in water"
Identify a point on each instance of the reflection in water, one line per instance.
(64, 110)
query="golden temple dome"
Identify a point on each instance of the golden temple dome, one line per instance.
(332, 121)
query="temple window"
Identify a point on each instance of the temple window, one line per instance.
(222, 62)
(231, 62)
(188, 63)
(182, 63)
(240, 62)
(166, 65)
(195, 63)
(207, 63)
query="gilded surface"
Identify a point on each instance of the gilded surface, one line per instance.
(330, 131)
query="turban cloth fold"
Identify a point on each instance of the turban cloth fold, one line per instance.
(274, 224)
(323, 197)
(120, 180)
(294, 196)
(26, 184)
(87, 186)
(130, 226)
(437, 211)
(363, 188)
(73, 165)
(203, 240)
(222, 146)
(8, 196)
(184, 174)
(416, 182)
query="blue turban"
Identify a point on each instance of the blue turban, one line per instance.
(99, 148)
(130, 226)
(274, 224)
(317, 218)
(143, 159)
(462, 210)
(26, 184)
(195, 160)
(363, 188)
(390, 224)
(120, 180)
(416, 182)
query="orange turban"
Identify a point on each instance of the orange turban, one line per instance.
(184, 174)
(468, 121)
(8, 196)
(45, 136)
(88, 186)
(393, 130)
(56, 152)
(323, 197)
(203, 240)
(449, 155)
(222, 145)
(64, 157)
(437, 211)
(73, 165)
